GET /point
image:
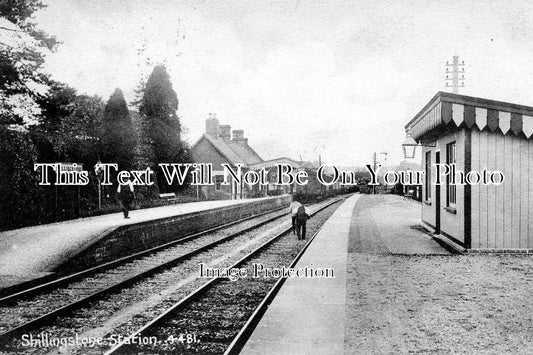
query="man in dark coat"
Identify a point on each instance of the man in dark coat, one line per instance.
(301, 221)
(294, 211)
(126, 195)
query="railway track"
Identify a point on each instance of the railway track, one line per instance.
(89, 304)
(61, 279)
(37, 306)
(219, 316)
(76, 308)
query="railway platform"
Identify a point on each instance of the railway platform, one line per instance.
(32, 253)
(309, 315)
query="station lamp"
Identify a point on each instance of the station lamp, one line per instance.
(409, 146)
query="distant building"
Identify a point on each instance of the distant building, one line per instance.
(477, 134)
(217, 146)
(415, 191)
(271, 166)
(313, 186)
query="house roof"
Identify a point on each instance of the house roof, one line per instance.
(233, 152)
(245, 152)
(447, 109)
(224, 149)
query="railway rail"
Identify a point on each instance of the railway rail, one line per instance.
(63, 278)
(36, 306)
(89, 299)
(219, 316)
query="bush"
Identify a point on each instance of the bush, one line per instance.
(21, 196)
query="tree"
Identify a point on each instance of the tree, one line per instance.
(78, 140)
(79, 137)
(56, 107)
(18, 11)
(139, 93)
(20, 193)
(118, 136)
(22, 50)
(158, 106)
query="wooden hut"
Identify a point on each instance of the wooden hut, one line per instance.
(477, 134)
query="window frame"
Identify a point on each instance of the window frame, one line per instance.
(451, 190)
(219, 179)
(427, 184)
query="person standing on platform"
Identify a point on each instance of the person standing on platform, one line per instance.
(294, 210)
(301, 222)
(126, 195)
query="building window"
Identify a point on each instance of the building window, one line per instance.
(451, 191)
(218, 182)
(428, 176)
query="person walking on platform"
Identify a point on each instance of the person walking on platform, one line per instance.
(294, 210)
(301, 221)
(126, 195)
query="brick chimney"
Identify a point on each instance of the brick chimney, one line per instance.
(211, 125)
(238, 136)
(245, 142)
(224, 132)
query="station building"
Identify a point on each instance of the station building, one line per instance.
(220, 145)
(477, 134)
(271, 166)
(217, 146)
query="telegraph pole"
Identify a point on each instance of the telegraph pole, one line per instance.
(375, 162)
(456, 70)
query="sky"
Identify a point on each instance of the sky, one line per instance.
(303, 79)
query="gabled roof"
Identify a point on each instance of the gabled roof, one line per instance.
(233, 152)
(446, 109)
(224, 149)
(247, 154)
